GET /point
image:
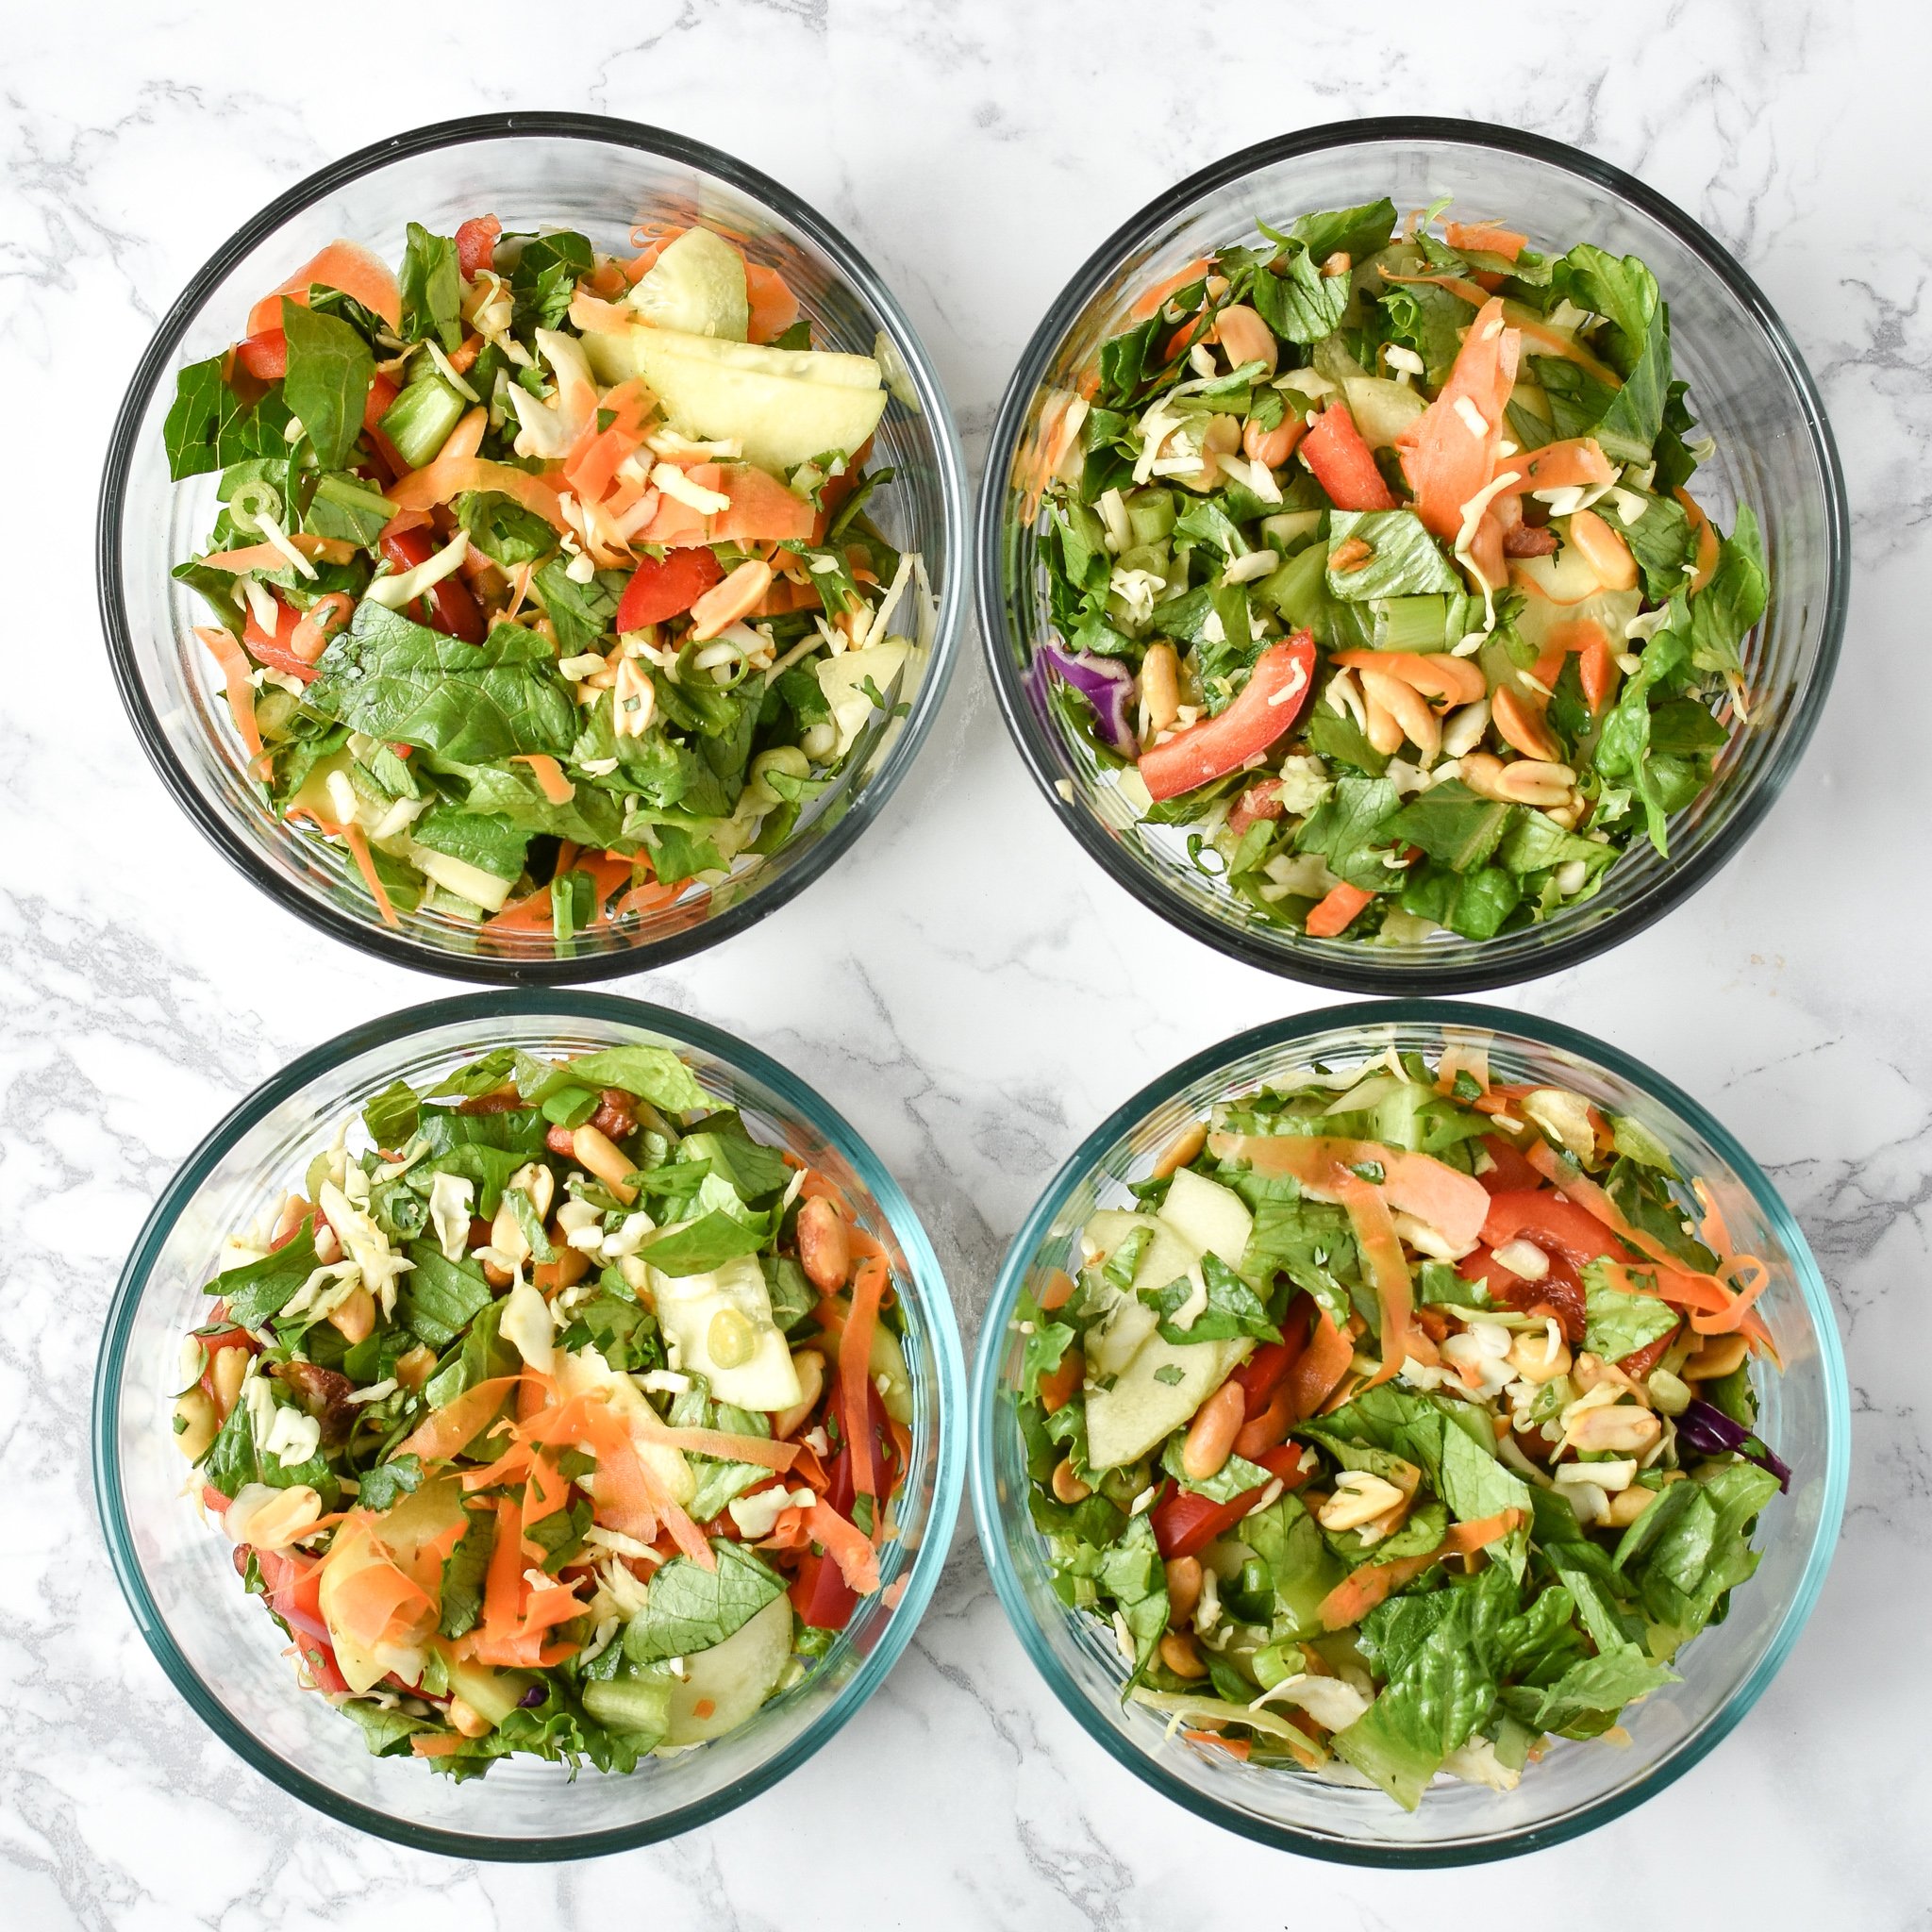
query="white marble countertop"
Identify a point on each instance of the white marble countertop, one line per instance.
(964, 985)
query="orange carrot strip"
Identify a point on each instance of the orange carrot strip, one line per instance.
(1485, 237)
(1335, 911)
(854, 1381)
(236, 683)
(438, 481)
(449, 1429)
(1352, 1600)
(847, 1546)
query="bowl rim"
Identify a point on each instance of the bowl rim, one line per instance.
(156, 366)
(1367, 975)
(482, 1009)
(1468, 1015)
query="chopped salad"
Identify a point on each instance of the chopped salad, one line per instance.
(553, 1414)
(1402, 1425)
(543, 579)
(1374, 566)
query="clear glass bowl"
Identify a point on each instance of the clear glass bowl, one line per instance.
(1805, 1416)
(597, 175)
(224, 1654)
(1748, 385)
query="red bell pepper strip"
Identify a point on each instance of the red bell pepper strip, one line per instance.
(1560, 1292)
(1343, 464)
(1276, 689)
(667, 587)
(277, 649)
(476, 244)
(265, 356)
(382, 392)
(818, 1593)
(1185, 1523)
(452, 609)
(1558, 1227)
(1512, 1173)
(1267, 1368)
(294, 1587)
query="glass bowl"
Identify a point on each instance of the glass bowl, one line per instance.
(1805, 1416)
(598, 175)
(224, 1655)
(1749, 388)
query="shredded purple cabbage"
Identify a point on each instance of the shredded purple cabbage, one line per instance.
(1708, 1430)
(1106, 683)
(533, 1697)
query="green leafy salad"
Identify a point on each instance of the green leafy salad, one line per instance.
(1374, 569)
(1401, 1425)
(553, 1414)
(542, 581)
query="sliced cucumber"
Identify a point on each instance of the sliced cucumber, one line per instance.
(1382, 410)
(491, 1694)
(697, 286)
(731, 1679)
(637, 1706)
(1159, 1390)
(1213, 1220)
(781, 406)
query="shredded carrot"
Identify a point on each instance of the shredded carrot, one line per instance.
(1716, 1308)
(1234, 1747)
(847, 1546)
(1352, 1600)
(1337, 910)
(450, 1428)
(1319, 1368)
(445, 478)
(346, 266)
(236, 682)
(1706, 540)
(854, 1380)
(437, 1744)
(1485, 237)
(1549, 341)
(1148, 300)
(548, 774)
(357, 839)
(1381, 1250)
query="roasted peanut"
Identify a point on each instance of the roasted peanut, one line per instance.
(1184, 1148)
(196, 1425)
(811, 1368)
(1179, 1655)
(226, 1371)
(1160, 687)
(1520, 727)
(1627, 1505)
(1183, 1588)
(824, 1245)
(1210, 1436)
(414, 1369)
(1406, 707)
(467, 1719)
(1066, 1485)
(1271, 448)
(1606, 552)
(354, 1317)
(1623, 1428)
(1719, 1356)
(597, 1153)
(1534, 1360)
(1245, 338)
